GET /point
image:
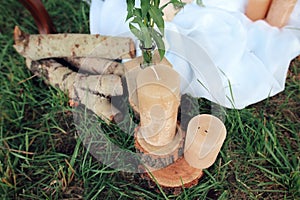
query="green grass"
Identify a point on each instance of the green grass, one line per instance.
(42, 156)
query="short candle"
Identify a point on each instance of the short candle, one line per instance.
(204, 139)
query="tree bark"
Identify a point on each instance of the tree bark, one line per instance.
(93, 91)
(96, 65)
(157, 157)
(43, 46)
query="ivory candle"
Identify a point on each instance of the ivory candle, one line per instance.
(158, 91)
(257, 9)
(132, 68)
(204, 139)
(280, 12)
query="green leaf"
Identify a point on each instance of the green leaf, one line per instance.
(137, 12)
(129, 15)
(163, 6)
(200, 3)
(145, 5)
(130, 6)
(156, 3)
(157, 15)
(161, 53)
(137, 20)
(147, 39)
(142, 34)
(177, 4)
(160, 43)
(135, 31)
(145, 34)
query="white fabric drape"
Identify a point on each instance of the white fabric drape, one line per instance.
(220, 54)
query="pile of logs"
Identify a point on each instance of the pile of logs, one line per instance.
(86, 67)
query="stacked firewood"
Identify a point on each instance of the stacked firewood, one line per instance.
(86, 67)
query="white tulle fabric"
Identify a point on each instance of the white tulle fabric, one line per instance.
(220, 54)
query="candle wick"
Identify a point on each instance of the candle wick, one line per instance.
(155, 72)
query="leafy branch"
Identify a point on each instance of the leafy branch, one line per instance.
(147, 24)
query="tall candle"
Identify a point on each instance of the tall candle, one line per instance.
(280, 12)
(132, 68)
(158, 91)
(257, 9)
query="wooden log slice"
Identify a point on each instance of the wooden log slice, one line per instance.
(177, 175)
(157, 157)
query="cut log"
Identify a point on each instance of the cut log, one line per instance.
(96, 65)
(157, 157)
(43, 46)
(63, 78)
(178, 175)
(93, 91)
(166, 165)
(100, 105)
